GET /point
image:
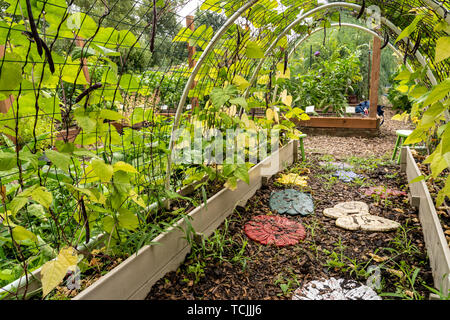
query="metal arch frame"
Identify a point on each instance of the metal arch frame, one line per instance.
(350, 25)
(388, 23)
(343, 24)
(234, 17)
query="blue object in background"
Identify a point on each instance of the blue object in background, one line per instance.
(364, 106)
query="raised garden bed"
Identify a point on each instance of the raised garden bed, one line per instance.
(133, 278)
(340, 126)
(435, 240)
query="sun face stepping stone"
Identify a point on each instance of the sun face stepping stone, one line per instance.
(384, 192)
(344, 209)
(292, 202)
(366, 222)
(335, 289)
(347, 176)
(276, 230)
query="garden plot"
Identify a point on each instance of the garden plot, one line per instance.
(229, 265)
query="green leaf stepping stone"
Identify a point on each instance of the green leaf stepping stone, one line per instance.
(292, 202)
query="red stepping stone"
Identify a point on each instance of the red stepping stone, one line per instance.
(276, 230)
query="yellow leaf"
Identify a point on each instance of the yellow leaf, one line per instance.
(53, 272)
(269, 114)
(263, 79)
(285, 98)
(240, 82)
(378, 258)
(122, 166)
(281, 74)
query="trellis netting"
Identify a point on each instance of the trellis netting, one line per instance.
(100, 108)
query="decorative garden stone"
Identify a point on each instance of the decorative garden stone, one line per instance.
(336, 165)
(366, 222)
(384, 192)
(293, 179)
(335, 289)
(347, 176)
(334, 213)
(352, 207)
(344, 209)
(292, 202)
(276, 230)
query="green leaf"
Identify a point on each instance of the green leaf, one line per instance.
(102, 170)
(445, 192)
(183, 35)
(84, 120)
(7, 161)
(410, 29)
(108, 224)
(42, 196)
(253, 51)
(418, 135)
(129, 82)
(445, 140)
(60, 160)
(19, 233)
(439, 91)
(122, 166)
(433, 113)
(37, 210)
(110, 115)
(127, 219)
(239, 101)
(418, 91)
(417, 179)
(83, 24)
(405, 74)
(11, 75)
(122, 182)
(219, 97)
(17, 203)
(241, 172)
(442, 49)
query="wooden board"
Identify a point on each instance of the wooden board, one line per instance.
(339, 122)
(436, 244)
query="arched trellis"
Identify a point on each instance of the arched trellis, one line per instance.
(339, 25)
(439, 10)
(300, 19)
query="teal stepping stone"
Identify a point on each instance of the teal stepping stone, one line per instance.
(292, 202)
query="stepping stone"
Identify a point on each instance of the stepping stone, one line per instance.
(276, 230)
(347, 176)
(366, 222)
(352, 207)
(292, 202)
(336, 165)
(334, 213)
(335, 289)
(383, 192)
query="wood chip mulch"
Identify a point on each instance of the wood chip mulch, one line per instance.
(269, 272)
